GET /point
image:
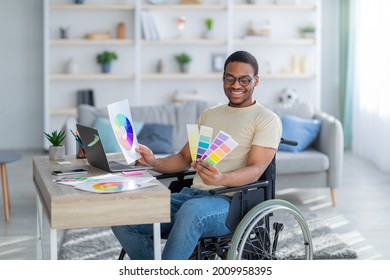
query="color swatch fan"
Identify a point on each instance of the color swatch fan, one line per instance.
(202, 147)
(122, 125)
(221, 146)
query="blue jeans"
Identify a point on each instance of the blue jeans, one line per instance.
(194, 214)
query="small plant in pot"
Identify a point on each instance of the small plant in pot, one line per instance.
(183, 60)
(56, 150)
(208, 34)
(105, 58)
(307, 31)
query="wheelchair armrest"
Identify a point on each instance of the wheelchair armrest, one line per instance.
(178, 175)
(255, 185)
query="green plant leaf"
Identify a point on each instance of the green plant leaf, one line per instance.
(56, 138)
(106, 57)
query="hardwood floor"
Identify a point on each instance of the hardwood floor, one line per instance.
(361, 216)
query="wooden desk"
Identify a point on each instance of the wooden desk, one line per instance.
(66, 207)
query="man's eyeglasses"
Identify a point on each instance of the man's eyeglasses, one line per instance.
(244, 81)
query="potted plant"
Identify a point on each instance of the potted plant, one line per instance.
(209, 22)
(307, 31)
(56, 150)
(183, 60)
(105, 58)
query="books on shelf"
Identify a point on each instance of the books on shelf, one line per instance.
(149, 26)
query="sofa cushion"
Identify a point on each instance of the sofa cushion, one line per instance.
(309, 161)
(107, 135)
(305, 131)
(157, 137)
(299, 109)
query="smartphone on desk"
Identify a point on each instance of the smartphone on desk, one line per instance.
(75, 171)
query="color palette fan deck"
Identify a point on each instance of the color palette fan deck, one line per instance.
(207, 150)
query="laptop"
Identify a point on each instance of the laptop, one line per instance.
(96, 155)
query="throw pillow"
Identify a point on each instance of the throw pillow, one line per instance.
(302, 130)
(157, 137)
(107, 136)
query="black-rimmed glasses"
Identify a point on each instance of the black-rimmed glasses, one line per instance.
(244, 81)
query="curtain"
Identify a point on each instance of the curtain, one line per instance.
(347, 66)
(371, 106)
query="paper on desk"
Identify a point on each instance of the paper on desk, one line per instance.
(122, 125)
(108, 183)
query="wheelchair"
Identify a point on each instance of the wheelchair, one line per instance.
(263, 227)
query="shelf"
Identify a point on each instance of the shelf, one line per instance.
(92, 7)
(275, 41)
(64, 111)
(281, 76)
(82, 76)
(181, 76)
(184, 7)
(63, 42)
(297, 7)
(185, 42)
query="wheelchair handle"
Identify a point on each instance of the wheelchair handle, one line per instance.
(288, 142)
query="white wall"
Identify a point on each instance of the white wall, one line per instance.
(21, 82)
(21, 74)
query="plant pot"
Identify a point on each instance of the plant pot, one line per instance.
(208, 34)
(57, 152)
(308, 35)
(106, 67)
(184, 68)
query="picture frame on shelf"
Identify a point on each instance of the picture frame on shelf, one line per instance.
(218, 61)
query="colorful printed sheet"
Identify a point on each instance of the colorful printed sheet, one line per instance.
(122, 125)
(108, 183)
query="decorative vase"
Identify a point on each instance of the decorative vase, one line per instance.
(57, 152)
(72, 67)
(121, 31)
(106, 67)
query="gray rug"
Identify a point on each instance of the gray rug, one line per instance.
(101, 244)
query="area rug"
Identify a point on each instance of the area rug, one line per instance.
(101, 244)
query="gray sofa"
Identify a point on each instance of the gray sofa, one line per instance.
(321, 164)
(318, 166)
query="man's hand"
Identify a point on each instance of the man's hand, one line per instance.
(209, 174)
(148, 157)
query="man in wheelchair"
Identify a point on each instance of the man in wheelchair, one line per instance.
(195, 213)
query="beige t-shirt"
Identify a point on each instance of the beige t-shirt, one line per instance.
(253, 125)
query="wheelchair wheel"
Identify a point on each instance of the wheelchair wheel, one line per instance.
(273, 230)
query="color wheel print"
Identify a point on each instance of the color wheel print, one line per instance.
(124, 131)
(109, 186)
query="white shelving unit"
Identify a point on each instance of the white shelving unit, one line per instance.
(134, 74)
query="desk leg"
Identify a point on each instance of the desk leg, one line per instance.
(53, 244)
(157, 241)
(39, 229)
(53, 235)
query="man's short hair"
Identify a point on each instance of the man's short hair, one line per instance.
(244, 57)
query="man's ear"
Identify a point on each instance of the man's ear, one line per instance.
(257, 80)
